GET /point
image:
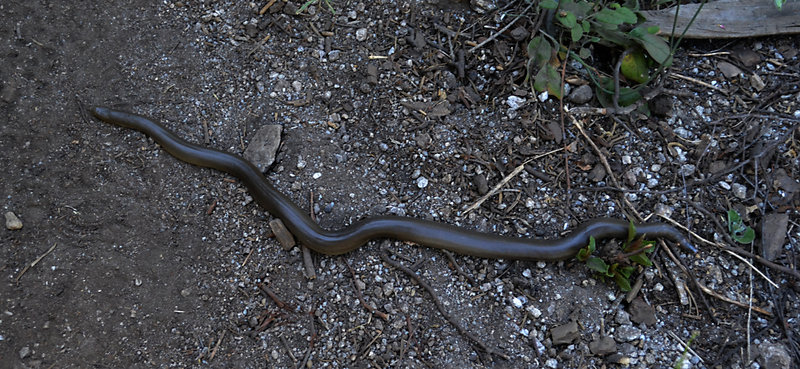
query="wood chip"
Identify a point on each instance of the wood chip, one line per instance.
(282, 234)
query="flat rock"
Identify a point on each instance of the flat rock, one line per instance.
(12, 222)
(773, 234)
(641, 312)
(564, 334)
(729, 70)
(774, 356)
(603, 346)
(263, 146)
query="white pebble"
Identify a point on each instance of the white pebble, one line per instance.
(739, 190)
(361, 34)
(12, 222)
(422, 182)
(316, 175)
(534, 311)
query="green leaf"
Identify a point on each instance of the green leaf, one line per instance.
(734, 220)
(567, 19)
(584, 53)
(653, 30)
(548, 4)
(622, 282)
(634, 67)
(779, 4)
(539, 52)
(631, 232)
(576, 32)
(739, 231)
(548, 79)
(584, 253)
(598, 265)
(745, 236)
(616, 16)
(605, 92)
(641, 259)
(656, 47)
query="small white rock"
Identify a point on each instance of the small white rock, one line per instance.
(543, 96)
(361, 34)
(422, 182)
(534, 311)
(12, 222)
(316, 175)
(739, 190)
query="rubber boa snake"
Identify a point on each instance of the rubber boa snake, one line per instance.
(423, 232)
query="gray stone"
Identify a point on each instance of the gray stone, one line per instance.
(263, 146)
(641, 312)
(12, 222)
(774, 356)
(603, 346)
(581, 95)
(481, 184)
(627, 333)
(520, 33)
(24, 352)
(8, 93)
(773, 234)
(564, 334)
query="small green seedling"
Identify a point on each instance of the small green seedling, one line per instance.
(312, 2)
(738, 230)
(679, 362)
(636, 250)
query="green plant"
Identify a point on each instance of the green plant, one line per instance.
(738, 230)
(634, 250)
(612, 25)
(679, 362)
(312, 2)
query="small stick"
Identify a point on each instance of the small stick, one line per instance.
(440, 307)
(308, 262)
(494, 35)
(216, 347)
(457, 267)
(505, 180)
(33, 263)
(247, 258)
(697, 81)
(360, 297)
(269, 292)
(211, 207)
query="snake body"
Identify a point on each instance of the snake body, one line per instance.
(423, 232)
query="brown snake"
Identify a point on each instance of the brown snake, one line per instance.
(423, 232)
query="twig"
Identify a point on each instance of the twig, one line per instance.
(385, 257)
(33, 263)
(765, 262)
(505, 180)
(713, 293)
(675, 337)
(216, 347)
(697, 81)
(360, 297)
(753, 268)
(308, 262)
(269, 292)
(457, 267)
(507, 26)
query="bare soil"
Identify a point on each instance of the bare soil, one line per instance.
(385, 110)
